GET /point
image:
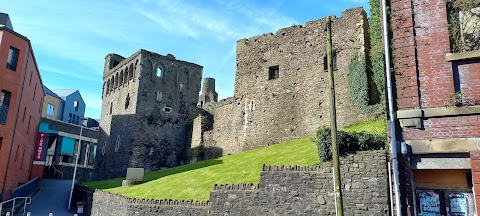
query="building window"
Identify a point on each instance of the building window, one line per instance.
(464, 25)
(75, 105)
(50, 109)
(12, 58)
(70, 118)
(30, 82)
(28, 126)
(273, 72)
(4, 103)
(74, 117)
(24, 112)
(78, 120)
(159, 72)
(111, 107)
(1, 141)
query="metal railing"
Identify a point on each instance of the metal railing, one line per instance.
(55, 171)
(26, 189)
(27, 200)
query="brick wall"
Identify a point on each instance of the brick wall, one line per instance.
(446, 127)
(423, 76)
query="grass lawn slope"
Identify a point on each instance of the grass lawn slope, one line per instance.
(195, 181)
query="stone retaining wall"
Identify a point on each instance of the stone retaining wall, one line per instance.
(283, 190)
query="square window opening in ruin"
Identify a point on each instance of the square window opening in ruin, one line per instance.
(167, 109)
(273, 72)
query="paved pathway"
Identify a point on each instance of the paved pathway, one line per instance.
(52, 198)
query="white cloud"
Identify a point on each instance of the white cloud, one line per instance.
(50, 69)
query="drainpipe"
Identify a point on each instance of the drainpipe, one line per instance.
(392, 114)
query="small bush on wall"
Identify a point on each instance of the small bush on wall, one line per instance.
(348, 142)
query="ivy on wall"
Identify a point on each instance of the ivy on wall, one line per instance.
(358, 85)
(361, 67)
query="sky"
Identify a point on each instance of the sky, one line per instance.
(70, 39)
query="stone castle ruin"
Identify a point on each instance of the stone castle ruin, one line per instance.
(149, 102)
(281, 86)
(152, 114)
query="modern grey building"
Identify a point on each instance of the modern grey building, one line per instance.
(72, 106)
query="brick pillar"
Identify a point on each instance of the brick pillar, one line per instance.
(406, 77)
(475, 163)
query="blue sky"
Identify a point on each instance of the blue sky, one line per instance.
(71, 38)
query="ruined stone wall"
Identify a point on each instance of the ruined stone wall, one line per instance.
(148, 112)
(283, 190)
(267, 110)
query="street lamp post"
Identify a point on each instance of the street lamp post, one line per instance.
(76, 164)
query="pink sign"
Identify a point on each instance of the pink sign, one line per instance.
(40, 147)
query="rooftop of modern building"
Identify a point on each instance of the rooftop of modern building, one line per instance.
(64, 93)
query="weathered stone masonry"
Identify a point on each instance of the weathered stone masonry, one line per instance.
(281, 87)
(283, 190)
(149, 103)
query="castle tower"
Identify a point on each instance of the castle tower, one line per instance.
(208, 91)
(148, 101)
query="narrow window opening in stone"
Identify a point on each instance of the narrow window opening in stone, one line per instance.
(167, 109)
(201, 103)
(334, 60)
(117, 143)
(325, 63)
(273, 72)
(127, 101)
(111, 107)
(159, 95)
(103, 147)
(159, 72)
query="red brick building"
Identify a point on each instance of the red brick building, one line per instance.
(21, 95)
(437, 79)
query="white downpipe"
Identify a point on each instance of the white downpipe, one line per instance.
(390, 187)
(393, 139)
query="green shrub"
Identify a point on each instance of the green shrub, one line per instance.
(348, 142)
